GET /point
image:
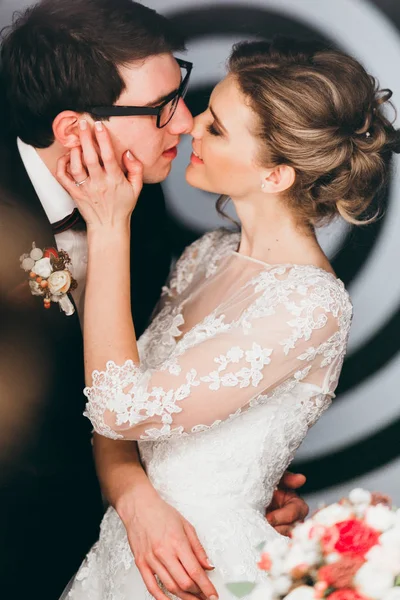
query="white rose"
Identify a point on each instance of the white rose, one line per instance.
(35, 288)
(380, 517)
(262, 591)
(43, 268)
(299, 555)
(302, 532)
(303, 592)
(360, 510)
(391, 538)
(36, 253)
(387, 558)
(393, 594)
(360, 496)
(281, 585)
(373, 582)
(27, 263)
(277, 548)
(59, 282)
(277, 568)
(335, 513)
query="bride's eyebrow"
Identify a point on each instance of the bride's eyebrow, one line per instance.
(216, 119)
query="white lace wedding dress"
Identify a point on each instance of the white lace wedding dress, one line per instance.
(241, 360)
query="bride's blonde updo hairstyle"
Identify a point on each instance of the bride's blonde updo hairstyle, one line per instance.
(319, 112)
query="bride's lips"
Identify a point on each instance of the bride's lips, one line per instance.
(195, 159)
(171, 153)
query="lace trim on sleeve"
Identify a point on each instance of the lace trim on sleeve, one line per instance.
(108, 386)
(131, 408)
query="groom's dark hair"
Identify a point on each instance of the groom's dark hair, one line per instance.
(65, 55)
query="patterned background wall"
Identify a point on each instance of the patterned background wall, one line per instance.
(358, 441)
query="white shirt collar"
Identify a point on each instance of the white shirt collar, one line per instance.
(56, 201)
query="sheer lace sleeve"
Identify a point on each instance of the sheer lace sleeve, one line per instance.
(292, 333)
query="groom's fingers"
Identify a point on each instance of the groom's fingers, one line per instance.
(292, 481)
(292, 511)
(284, 530)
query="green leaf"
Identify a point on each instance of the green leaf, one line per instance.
(397, 581)
(260, 547)
(240, 589)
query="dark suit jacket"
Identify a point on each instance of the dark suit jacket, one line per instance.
(50, 505)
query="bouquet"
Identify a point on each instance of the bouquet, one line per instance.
(349, 550)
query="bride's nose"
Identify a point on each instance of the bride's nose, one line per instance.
(198, 126)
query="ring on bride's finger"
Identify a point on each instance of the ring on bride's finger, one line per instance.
(79, 183)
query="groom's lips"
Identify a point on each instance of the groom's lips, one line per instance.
(171, 153)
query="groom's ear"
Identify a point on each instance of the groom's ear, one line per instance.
(66, 128)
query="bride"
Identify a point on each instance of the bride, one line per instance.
(245, 351)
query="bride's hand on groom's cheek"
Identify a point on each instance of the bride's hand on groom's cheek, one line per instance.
(287, 507)
(104, 194)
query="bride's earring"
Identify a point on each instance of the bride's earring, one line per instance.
(263, 185)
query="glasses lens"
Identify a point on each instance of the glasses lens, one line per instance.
(168, 111)
(185, 86)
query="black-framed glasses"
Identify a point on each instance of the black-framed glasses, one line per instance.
(163, 111)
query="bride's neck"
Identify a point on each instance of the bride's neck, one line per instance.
(271, 233)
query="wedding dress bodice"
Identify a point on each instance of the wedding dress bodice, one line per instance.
(240, 360)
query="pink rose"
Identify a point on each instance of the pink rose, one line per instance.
(340, 574)
(345, 594)
(265, 562)
(355, 537)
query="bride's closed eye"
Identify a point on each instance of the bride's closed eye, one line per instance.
(212, 129)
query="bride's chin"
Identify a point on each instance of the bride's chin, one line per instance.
(194, 179)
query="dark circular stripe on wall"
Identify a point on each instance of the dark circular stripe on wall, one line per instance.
(353, 461)
(232, 19)
(370, 358)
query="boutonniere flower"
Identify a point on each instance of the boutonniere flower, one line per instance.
(50, 277)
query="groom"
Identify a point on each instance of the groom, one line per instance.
(61, 59)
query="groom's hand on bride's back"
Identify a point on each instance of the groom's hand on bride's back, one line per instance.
(287, 507)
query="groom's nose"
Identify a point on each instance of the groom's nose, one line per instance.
(182, 121)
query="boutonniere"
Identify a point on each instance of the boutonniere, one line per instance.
(50, 277)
